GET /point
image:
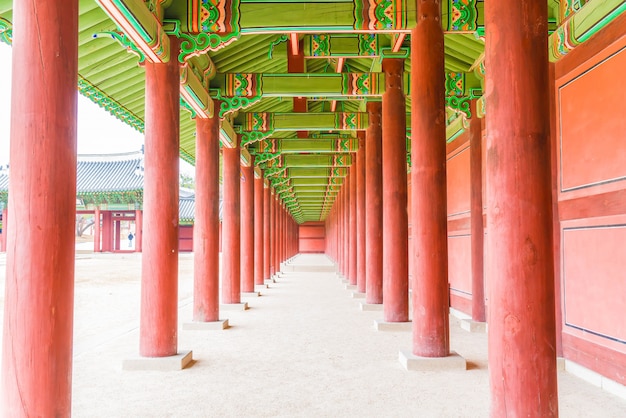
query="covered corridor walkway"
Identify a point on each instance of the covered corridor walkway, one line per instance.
(304, 348)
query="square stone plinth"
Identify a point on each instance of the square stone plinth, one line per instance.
(250, 294)
(473, 326)
(381, 325)
(234, 306)
(206, 326)
(350, 287)
(412, 362)
(270, 280)
(371, 306)
(261, 286)
(163, 364)
(358, 295)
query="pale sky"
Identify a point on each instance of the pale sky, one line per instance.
(98, 131)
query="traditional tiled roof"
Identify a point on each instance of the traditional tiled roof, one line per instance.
(109, 173)
(116, 173)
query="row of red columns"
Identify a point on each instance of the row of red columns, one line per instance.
(40, 258)
(522, 357)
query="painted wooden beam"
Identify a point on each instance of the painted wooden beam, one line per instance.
(344, 121)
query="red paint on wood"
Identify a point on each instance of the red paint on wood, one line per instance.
(430, 294)
(138, 231)
(247, 228)
(459, 266)
(266, 232)
(458, 182)
(374, 206)
(258, 231)
(39, 291)
(312, 237)
(395, 218)
(596, 357)
(231, 226)
(206, 227)
(159, 271)
(96, 230)
(185, 238)
(522, 355)
(353, 223)
(591, 151)
(594, 281)
(360, 215)
(478, 229)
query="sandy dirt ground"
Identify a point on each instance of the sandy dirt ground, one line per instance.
(303, 349)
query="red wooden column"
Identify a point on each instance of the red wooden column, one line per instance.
(476, 202)
(272, 234)
(353, 220)
(247, 227)
(428, 185)
(38, 309)
(395, 219)
(106, 236)
(159, 272)
(346, 225)
(276, 234)
(258, 230)
(360, 215)
(3, 235)
(374, 206)
(96, 230)
(231, 226)
(206, 246)
(522, 357)
(118, 230)
(266, 230)
(138, 230)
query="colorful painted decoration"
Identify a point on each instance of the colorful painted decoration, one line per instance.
(6, 31)
(380, 14)
(368, 44)
(455, 84)
(359, 84)
(320, 45)
(258, 122)
(463, 15)
(250, 137)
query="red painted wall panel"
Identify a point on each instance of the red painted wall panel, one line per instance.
(185, 238)
(312, 237)
(591, 141)
(458, 180)
(594, 283)
(591, 168)
(460, 272)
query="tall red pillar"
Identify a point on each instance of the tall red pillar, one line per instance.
(428, 185)
(346, 226)
(276, 236)
(231, 224)
(117, 226)
(266, 231)
(395, 219)
(476, 213)
(247, 227)
(39, 294)
(360, 215)
(522, 341)
(206, 268)
(374, 206)
(138, 230)
(96, 230)
(272, 234)
(107, 231)
(353, 221)
(258, 231)
(159, 273)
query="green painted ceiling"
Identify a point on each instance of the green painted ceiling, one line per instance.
(307, 176)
